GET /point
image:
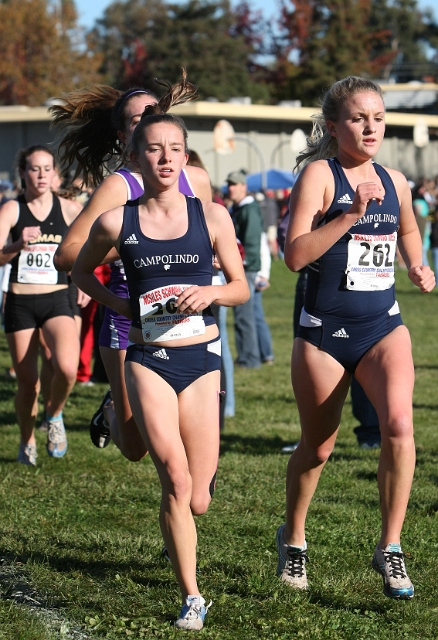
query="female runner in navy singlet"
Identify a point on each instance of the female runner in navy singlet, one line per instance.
(347, 215)
(96, 125)
(167, 242)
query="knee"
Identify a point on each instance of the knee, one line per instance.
(317, 456)
(200, 503)
(66, 370)
(398, 428)
(201, 500)
(127, 438)
(65, 363)
(179, 484)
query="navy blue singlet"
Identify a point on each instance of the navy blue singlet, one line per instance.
(151, 263)
(326, 291)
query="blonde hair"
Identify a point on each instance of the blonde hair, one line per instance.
(320, 144)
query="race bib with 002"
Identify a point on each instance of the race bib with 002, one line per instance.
(35, 265)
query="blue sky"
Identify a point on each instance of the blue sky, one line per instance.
(91, 10)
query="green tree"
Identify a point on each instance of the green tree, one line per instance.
(412, 34)
(41, 51)
(320, 41)
(145, 39)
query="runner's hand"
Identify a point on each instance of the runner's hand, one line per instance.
(366, 192)
(423, 278)
(195, 299)
(30, 233)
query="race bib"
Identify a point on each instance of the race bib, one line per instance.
(159, 317)
(370, 262)
(35, 265)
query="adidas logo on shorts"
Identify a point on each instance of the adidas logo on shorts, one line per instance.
(345, 199)
(340, 334)
(131, 240)
(161, 353)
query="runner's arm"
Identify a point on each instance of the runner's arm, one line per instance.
(110, 194)
(223, 237)
(103, 238)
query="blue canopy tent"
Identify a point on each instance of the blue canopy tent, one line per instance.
(274, 179)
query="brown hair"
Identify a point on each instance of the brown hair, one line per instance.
(194, 159)
(88, 121)
(23, 154)
(177, 93)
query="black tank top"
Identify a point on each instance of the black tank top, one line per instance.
(34, 264)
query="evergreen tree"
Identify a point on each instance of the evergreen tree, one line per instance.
(321, 41)
(145, 39)
(412, 34)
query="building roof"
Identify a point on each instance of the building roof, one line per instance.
(406, 96)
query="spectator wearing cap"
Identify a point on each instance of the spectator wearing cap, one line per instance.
(248, 224)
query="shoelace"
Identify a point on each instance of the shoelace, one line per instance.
(396, 565)
(195, 610)
(56, 432)
(296, 562)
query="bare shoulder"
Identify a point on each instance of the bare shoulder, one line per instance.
(108, 224)
(317, 170)
(112, 192)
(400, 183)
(70, 209)
(200, 182)
(9, 212)
(217, 218)
(314, 186)
(214, 211)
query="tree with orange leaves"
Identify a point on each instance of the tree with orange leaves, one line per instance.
(42, 51)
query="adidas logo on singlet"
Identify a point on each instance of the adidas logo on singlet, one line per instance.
(340, 334)
(345, 199)
(131, 240)
(161, 353)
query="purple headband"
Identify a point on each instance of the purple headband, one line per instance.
(128, 95)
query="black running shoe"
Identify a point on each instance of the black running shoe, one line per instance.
(165, 554)
(99, 428)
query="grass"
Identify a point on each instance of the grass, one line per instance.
(80, 535)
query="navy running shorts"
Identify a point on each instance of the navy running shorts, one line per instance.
(178, 366)
(348, 340)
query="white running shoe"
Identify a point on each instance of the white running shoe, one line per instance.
(27, 454)
(291, 562)
(56, 437)
(192, 614)
(391, 566)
